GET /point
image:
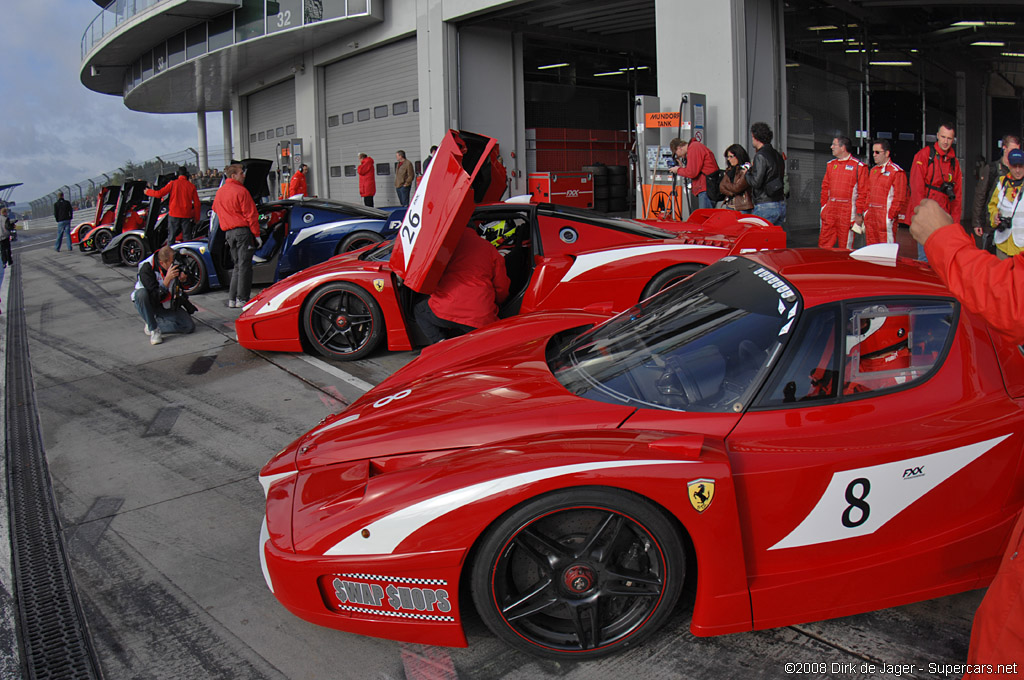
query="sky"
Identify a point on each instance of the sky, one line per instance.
(55, 131)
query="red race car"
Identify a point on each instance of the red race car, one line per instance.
(556, 257)
(106, 205)
(129, 215)
(803, 433)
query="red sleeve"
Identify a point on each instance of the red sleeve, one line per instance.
(501, 280)
(985, 284)
(825, 184)
(862, 189)
(159, 193)
(899, 197)
(694, 163)
(917, 169)
(958, 182)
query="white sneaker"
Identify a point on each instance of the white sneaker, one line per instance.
(258, 260)
(145, 328)
(232, 303)
(155, 338)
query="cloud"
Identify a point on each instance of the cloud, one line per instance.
(56, 131)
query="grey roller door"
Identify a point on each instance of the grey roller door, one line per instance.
(371, 106)
(271, 116)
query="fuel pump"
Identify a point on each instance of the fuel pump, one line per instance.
(665, 195)
(284, 168)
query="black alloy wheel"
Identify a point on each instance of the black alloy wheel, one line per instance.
(669, 277)
(132, 250)
(101, 239)
(342, 321)
(195, 271)
(579, 573)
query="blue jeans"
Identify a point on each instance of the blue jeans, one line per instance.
(157, 317)
(774, 212)
(703, 201)
(63, 227)
(403, 194)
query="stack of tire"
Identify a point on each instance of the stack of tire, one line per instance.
(611, 188)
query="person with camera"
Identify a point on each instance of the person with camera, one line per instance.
(695, 161)
(1005, 214)
(159, 283)
(988, 177)
(935, 174)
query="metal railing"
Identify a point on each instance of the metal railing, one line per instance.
(82, 194)
(115, 14)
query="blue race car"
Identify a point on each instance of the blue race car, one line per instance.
(297, 233)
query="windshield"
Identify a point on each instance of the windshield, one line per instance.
(704, 344)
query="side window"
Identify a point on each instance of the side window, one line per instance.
(810, 369)
(894, 344)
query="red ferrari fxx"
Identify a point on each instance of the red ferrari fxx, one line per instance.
(804, 434)
(556, 257)
(106, 205)
(129, 215)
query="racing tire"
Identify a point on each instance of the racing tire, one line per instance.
(358, 240)
(342, 321)
(668, 277)
(601, 192)
(132, 250)
(578, 573)
(601, 205)
(618, 171)
(195, 271)
(595, 170)
(101, 239)
(81, 230)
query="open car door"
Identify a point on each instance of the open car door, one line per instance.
(465, 171)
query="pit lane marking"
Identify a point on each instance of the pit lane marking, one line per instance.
(355, 382)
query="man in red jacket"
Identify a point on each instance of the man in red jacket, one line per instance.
(935, 174)
(887, 196)
(297, 187)
(696, 162)
(240, 223)
(183, 212)
(468, 293)
(989, 287)
(844, 196)
(367, 181)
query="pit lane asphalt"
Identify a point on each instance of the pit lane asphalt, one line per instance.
(154, 454)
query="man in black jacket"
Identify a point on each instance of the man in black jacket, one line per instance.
(765, 176)
(62, 212)
(159, 283)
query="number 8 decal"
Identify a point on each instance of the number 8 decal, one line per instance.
(857, 502)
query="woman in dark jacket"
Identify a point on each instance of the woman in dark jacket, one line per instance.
(734, 184)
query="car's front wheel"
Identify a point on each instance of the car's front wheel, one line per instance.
(578, 573)
(101, 238)
(342, 321)
(132, 250)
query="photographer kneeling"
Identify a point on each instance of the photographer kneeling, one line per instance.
(159, 282)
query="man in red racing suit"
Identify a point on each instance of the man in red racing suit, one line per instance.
(990, 287)
(887, 196)
(843, 196)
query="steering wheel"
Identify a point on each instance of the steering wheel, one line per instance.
(678, 381)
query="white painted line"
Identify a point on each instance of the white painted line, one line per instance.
(355, 382)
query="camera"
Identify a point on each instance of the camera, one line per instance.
(1004, 223)
(949, 189)
(179, 298)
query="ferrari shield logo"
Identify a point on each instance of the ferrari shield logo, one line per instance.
(701, 493)
(378, 284)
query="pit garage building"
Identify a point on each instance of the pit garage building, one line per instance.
(555, 80)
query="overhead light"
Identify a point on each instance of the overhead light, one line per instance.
(965, 24)
(855, 51)
(541, 68)
(833, 40)
(608, 73)
(828, 27)
(890, 63)
(1019, 55)
(791, 64)
(988, 43)
(636, 68)
(968, 24)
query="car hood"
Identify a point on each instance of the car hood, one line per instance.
(506, 391)
(465, 170)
